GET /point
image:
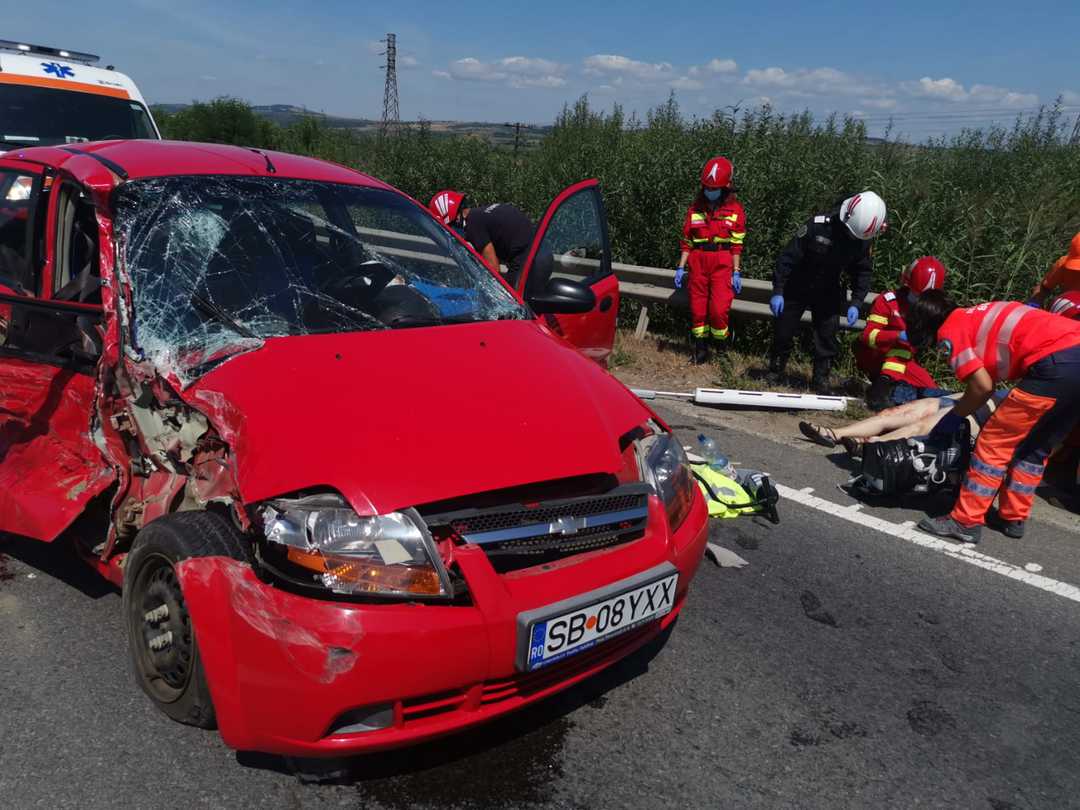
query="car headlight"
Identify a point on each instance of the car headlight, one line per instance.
(381, 555)
(666, 467)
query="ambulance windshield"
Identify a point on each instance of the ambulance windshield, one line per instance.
(41, 116)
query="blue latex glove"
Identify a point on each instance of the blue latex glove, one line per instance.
(852, 315)
(1033, 302)
(903, 335)
(680, 272)
(736, 282)
(776, 304)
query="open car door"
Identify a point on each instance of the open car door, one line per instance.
(572, 243)
(49, 465)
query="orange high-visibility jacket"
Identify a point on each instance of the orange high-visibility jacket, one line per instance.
(1004, 337)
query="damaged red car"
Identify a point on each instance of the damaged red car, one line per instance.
(358, 491)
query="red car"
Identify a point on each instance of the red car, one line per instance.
(358, 491)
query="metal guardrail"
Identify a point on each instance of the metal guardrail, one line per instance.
(649, 285)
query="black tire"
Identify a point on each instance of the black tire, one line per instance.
(172, 675)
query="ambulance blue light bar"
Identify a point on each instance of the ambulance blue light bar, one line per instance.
(41, 50)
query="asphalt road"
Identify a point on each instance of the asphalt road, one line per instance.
(847, 665)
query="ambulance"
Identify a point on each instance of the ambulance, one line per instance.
(50, 97)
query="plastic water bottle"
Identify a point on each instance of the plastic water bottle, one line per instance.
(713, 457)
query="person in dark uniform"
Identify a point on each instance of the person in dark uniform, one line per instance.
(500, 233)
(810, 275)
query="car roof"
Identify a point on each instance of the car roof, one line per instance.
(139, 159)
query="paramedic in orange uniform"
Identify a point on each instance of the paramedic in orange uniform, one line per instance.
(1065, 274)
(883, 352)
(712, 240)
(997, 342)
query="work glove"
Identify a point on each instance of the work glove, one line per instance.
(736, 282)
(852, 315)
(903, 335)
(776, 304)
(680, 272)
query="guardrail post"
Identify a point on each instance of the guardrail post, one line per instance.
(642, 323)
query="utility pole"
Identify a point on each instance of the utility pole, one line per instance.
(517, 134)
(391, 116)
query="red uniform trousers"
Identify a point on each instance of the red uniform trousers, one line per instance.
(1011, 452)
(710, 293)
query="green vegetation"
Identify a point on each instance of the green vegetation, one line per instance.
(997, 206)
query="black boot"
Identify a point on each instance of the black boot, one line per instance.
(776, 370)
(701, 350)
(819, 384)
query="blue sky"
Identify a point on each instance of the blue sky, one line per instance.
(932, 66)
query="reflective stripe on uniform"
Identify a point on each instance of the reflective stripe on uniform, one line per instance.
(737, 237)
(872, 337)
(878, 319)
(697, 218)
(979, 489)
(899, 368)
(720, 334)
(966, 356)
(1023, 489)
(1004, 357)
(1029, 467)
(699, 331)
(988, 470)
(903, 354)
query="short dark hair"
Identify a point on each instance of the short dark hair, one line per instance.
(926, 315)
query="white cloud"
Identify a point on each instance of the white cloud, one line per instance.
(715, 66)
(208, 78)
(822, 81)
(607, 64)
(686, 83)
(947, 89)
(408, 61)
(515, 71)
(879, 103)
(441, 74)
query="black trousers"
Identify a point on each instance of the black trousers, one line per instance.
(824, 312)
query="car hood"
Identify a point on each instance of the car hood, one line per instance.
(408, 417)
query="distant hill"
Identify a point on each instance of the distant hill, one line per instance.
(286, 114)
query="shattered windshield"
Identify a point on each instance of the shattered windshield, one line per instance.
(218, 264)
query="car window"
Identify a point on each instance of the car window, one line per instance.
(76, 271)
(219, 264)
(573, 244)
(19, 194)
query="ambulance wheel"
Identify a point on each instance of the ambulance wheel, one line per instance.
(161, 643)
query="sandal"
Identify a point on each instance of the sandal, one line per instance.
(818, 434)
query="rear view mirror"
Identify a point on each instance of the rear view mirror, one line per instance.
(564, 297)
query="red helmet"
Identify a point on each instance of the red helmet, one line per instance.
(717, 173)
(925, 273)
(1067, 304)
(446, 204)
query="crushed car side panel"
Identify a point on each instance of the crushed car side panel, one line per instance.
(49, 466)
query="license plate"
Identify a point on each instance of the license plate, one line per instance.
(558, 637)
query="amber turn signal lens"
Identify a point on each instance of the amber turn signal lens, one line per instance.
(352, 575)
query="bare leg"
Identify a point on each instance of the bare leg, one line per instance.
(910, 414)
(918, 428)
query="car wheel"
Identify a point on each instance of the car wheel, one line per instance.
(161, 642)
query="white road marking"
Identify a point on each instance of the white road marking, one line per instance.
(907, 531)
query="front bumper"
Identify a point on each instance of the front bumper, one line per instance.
(282, 668)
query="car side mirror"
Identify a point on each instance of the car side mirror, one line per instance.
(563, 296)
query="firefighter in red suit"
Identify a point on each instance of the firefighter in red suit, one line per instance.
(712, 241)
(883, 353)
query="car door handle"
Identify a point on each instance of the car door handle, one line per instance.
(605, 303)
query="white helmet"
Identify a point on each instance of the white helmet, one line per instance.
(864, 215)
